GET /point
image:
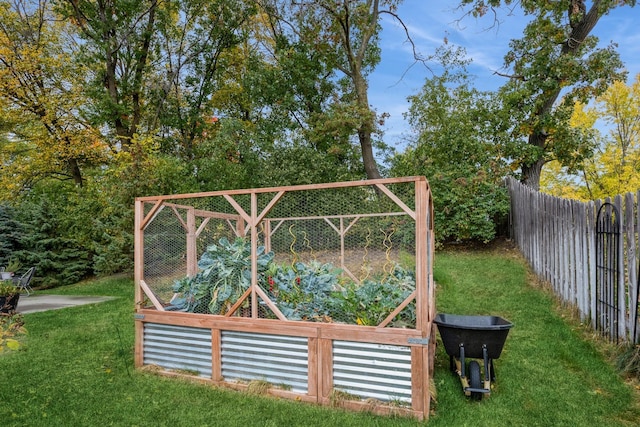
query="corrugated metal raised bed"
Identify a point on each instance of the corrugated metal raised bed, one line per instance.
(322, 293)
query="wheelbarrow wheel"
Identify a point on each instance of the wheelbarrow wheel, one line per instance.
(474, 379)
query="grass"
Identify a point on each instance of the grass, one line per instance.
(76, 366)
(551, 373)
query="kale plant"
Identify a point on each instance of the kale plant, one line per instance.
(225, 274)
(304, 291)
(311, 291)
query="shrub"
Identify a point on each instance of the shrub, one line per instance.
(11, 327)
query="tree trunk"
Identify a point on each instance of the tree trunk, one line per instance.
(76, 173)
(369, 161)
(531, 174)
(368, 118)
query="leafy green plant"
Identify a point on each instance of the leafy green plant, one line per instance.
(314, 292)
(13, 265)
(225, 274)
(311, 292)
(11, 326)
(372, 301)
(304, 291)
(7, 288)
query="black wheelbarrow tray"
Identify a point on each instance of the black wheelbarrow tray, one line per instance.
(476, 337)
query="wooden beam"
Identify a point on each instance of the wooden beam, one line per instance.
(152, 297)
(152, 213)
(238, 208)
(397, 200)
(397, 310)
(321, 186)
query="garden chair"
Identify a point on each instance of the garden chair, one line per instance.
(25, 281)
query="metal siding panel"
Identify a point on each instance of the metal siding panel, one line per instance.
(372, 370)
(277, 359)
(178, 347)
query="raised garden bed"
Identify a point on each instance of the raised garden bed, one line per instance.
(319, 293)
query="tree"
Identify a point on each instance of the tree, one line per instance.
(41, 102)
(52, 240)
(10, 232)
(116, 40)
(553, 65)
(345, 34)
(615, 167)
(458, 149)
(201, 47)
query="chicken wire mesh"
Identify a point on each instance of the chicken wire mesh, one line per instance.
(343, 255)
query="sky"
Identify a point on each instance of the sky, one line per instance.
(431, 21)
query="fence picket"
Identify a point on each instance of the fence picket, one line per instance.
(622, 323)
(632, 282)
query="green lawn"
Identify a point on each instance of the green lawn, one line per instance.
(76, 367)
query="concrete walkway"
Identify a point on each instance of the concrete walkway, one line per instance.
(34, 303)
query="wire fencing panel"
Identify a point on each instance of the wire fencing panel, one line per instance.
(558, 238)
(338, 255)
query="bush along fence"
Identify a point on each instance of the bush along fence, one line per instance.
(586, 251)
(321, 293)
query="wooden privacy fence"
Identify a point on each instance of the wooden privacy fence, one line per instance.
(321, 293)
(586, 251)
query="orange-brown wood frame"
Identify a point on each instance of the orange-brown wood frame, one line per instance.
(320, 336)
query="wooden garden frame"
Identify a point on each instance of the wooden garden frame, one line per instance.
(320, 336)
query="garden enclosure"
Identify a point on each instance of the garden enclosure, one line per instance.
(322, 293)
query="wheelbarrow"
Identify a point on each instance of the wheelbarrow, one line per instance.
(473, 337)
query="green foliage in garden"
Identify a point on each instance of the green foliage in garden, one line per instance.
(372, 301)
(225, 274)
(304, 291)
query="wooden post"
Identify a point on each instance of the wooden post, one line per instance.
(216, 355)
(325, 370)
(420, 355)
(421, 225)
(622, 299)
(313, 373)
(192, 252)
(138, 267)
(254, 255)
(267, 235)
(632, 281)
(138, 251)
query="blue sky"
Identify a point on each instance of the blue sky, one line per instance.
(430, 21)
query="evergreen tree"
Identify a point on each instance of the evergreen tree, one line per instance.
(10, 232)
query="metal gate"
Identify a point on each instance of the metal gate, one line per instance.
(635, 334)
(608, 271)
